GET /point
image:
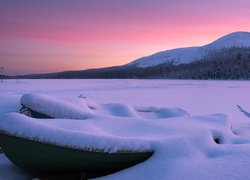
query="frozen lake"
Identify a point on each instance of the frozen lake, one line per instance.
(198, 98)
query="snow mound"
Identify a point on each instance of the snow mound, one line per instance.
(56, 108)
(71, 133)
(190, 54)
(85, 108)
(112, 134)
(159, 113)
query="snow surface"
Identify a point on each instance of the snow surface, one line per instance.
(178, 120)
(55, 107)
(190, 54)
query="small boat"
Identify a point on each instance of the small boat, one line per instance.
(41, 158)
(32, 113)
(34, 153)
(42, 106)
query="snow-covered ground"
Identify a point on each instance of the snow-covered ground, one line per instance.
(176, 119)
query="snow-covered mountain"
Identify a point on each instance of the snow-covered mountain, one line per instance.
(190, 54)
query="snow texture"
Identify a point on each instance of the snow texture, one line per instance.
(193, 127)
(54, 107)
(190, 54)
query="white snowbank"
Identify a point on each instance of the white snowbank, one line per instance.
(136, 115)
(88, 134)
(86, 108)
(92, 133)
(55, 107)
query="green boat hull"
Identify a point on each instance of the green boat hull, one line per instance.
(37, 157)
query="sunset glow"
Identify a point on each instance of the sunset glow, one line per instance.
(58, 35)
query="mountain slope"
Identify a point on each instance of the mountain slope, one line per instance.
(190, 54)
(229, 63)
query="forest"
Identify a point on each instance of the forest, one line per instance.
(231, 63)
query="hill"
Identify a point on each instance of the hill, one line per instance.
(225, 58)
(191, 54)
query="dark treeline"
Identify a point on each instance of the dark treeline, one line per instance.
(232, 63)
(2, 77)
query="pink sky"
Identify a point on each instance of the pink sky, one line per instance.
(58, 35)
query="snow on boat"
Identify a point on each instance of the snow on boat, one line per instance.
(38, 157)
(42, 106)
(57, 145)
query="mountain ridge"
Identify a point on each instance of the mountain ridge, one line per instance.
(189, 54)
(217, 60)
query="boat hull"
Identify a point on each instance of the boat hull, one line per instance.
(37, 157)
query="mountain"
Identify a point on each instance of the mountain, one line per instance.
(225, 58)
(191, 54)
(227, 63)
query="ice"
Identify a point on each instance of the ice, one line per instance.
(194, 127)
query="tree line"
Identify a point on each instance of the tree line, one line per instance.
(230, 63)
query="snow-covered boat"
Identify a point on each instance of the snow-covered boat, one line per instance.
(65, 144)
(40, 157)
(32, 113)
(42, 106)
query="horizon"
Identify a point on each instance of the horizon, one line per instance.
(61, 35)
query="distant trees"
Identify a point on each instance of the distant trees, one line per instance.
(1, 73)
(230, 63)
